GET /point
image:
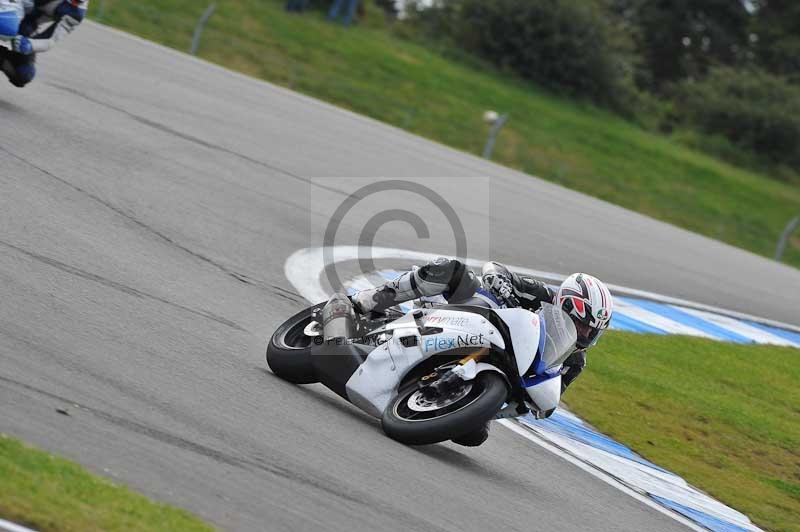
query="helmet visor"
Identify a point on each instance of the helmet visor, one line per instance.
(587, 336)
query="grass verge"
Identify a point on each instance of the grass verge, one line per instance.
(370, 69)
(726, 417)
(48, 493)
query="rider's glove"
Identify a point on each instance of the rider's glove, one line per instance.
(501, 287)
(22, 45)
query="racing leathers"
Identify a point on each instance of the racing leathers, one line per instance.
(450, 281)
(46, 22)
(529, 293)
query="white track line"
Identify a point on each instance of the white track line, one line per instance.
(658, 321)
(748, 331)
(598, 473)
(641, 476)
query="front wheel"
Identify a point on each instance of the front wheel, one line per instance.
(413, 419)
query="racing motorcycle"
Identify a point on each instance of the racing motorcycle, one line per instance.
(430, 374)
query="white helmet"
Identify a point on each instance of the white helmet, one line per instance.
(588, 302)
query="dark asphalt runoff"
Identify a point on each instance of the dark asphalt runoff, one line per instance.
(148, 202)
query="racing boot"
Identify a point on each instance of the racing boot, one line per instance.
(377, 300)
(443, 276)
(474, 438)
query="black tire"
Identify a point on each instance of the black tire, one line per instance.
(289, 350)
(487, 396)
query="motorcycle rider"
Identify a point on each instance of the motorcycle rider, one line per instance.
(46, 22)
(583, 297)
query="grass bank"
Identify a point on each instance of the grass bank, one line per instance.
(48, 493)
(369, 69)
(724, 416)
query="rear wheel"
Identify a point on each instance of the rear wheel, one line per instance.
(416, 419)
(289, 349)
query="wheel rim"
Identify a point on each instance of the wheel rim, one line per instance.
(413, 407)
(296, 337)
(418, 403)
(314, 328)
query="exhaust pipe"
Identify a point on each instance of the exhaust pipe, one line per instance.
(338, 317)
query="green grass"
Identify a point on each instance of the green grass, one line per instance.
(724, 416)
(369, 69)
(48, 493)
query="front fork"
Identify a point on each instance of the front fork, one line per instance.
(442, 382)
(444, 379)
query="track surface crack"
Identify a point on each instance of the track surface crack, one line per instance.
(72, 270)
(131, 218)
(196, 140)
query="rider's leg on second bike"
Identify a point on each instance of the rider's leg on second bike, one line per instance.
(449, 277)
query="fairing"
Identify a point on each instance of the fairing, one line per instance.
(546, 394)
(525, 330)
(541, 344)
(540, 341)
(375, 382)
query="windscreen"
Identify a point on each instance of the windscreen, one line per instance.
(560, 335)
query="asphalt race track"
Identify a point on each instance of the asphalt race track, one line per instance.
(148, 202)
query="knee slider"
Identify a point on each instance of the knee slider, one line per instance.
(463, 284)
(460, 282)
(438, 271)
